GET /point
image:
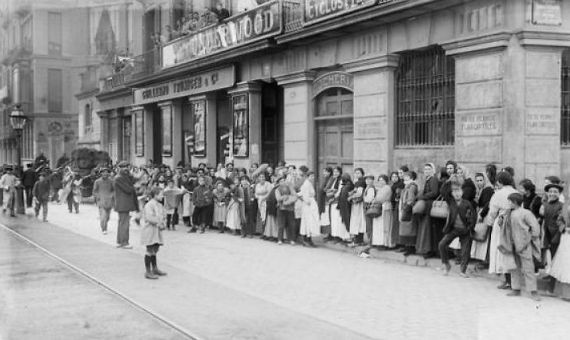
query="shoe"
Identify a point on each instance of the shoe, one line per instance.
(158, 272)
(534, 295)
(292, 243)
(150, 276)
(192, 230)
(127, 246)
(504, 285)
(104, 232)
(464, 275)
(364, 255)
(429, 255)
(279, 242)
(173, 228)
(514, 293)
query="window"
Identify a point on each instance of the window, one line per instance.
(565, 105)
(425, 98)
(55, 90)
(88, 119)
(54, 33)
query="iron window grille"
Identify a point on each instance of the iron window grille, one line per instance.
(565, 98)
(425, 98)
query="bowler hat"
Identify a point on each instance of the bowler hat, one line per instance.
(553, 185)
(123, 164)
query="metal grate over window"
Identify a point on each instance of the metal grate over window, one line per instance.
(425, 98)
(565, 104)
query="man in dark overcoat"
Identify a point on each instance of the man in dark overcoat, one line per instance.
(41, 192)
(125, 202)
(29, 178)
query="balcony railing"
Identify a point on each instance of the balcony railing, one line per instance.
(144, 65)
(114, 81)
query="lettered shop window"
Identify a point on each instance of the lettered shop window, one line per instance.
(565, 96)
(55, 90)
(425, 98)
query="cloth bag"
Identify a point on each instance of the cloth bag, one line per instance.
(439, 209)
(419, 207)
(374, 210)
(480, 232)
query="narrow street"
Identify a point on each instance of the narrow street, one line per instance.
(222, 286)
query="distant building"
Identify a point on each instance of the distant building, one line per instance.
(42, 48)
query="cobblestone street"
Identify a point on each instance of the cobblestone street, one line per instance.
(375, 298)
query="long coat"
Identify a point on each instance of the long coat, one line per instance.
(125, 194)
(104, 193)
(154, 221)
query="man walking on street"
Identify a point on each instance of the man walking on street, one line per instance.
(28, 180)
(125, 202)
(104, 197)
(8, 184)
(41, 191)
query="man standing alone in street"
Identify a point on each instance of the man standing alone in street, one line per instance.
(28, 180)
(125, 202)
(104, 197)
(41, 191)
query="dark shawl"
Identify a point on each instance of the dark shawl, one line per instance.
(344, 205)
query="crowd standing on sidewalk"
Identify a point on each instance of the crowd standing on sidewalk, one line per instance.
(485, 218)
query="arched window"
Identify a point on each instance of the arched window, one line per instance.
(565, 97)
(425, 98)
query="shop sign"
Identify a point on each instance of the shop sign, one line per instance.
(260, 23)
(319, 10)
(205, 82)
(547, 12)
(333, 79)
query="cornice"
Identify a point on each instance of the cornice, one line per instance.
(87, 94)
(544, 38)
(116, 93)
(246, 86)
(495, 41)
(385, 61)
(298, 77)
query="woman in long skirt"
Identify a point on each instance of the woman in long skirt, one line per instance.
(340, 210)
(408, 228)
(271, 230)
(331, 197)
(381, 225)
(357, 219)
(310, 217)
(234, 217)
(262, 191)
(560, 269)
(424, 243)
(221, 194)
(482, 197)
(397, 186)
(325, 184)
(500, 263)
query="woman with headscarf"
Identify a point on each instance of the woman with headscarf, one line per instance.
(484, 192)
(499, 206)
(425, 245)
(357, 224)
(310, 219)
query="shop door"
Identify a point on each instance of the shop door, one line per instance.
(334, 121)
(271, 121)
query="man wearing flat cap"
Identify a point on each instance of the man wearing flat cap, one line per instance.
(125, 202)
(104, 197)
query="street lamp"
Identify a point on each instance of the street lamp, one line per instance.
(18, 121)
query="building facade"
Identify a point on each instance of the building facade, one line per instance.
(373, 84)
(43, 48)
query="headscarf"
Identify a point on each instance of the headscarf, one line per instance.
(480, 190)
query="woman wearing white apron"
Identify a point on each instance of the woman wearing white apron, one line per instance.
(384, 196)
(357, 219)
(482, 197)
(310, 217)
(500, 263)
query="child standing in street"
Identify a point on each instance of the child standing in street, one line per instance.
(524, 231)
(172, 196)
(221, 194)
(151, 234)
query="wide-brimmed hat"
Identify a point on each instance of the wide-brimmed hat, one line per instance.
(553, 185)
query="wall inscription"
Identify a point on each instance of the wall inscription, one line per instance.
(479, 124)
(541, 123)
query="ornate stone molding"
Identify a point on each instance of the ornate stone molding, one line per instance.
(545, 39)
(496, 41)
(246, 86)
(385, 61)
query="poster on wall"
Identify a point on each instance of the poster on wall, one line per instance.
(240, 131)
(167, 131)
(199, 118)
(139, 133)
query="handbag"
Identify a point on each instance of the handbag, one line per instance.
(374, 210)
(439, 208)
(480, 232)
(419, 207)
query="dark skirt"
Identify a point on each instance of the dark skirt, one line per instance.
(437, 225)
(424, 242)
(396, 225)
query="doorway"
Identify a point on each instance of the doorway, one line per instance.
(157, 135)
(224, 125)
(271, 123)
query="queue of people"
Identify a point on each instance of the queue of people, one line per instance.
(485, 217)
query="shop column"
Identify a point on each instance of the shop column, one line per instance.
(246, 117)
(374, 97)
(299, 140)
